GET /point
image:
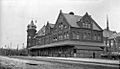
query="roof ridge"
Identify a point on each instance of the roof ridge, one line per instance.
(72, 19)
(72, 15)
(52, 23)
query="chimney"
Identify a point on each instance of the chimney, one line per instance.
(71, 13)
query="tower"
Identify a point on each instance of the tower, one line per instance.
(31, 32)
(107, 23)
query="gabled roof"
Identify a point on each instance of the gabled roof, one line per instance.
(72, 19)
(114, 35)
(41, 31)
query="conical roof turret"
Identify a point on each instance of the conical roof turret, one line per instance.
(31, 25)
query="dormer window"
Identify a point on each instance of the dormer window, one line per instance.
(86, 25)
(61, 26)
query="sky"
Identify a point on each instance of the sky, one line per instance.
(15, 15)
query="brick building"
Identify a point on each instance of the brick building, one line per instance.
(108, 36)
(71, 36)
(114, 42)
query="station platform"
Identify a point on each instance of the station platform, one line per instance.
(70, 60)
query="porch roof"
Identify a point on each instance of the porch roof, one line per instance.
(71, 43)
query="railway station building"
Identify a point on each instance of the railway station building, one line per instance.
(70, 36)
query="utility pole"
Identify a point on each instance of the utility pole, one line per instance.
(23, 46)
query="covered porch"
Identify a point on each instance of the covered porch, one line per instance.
(69, 49)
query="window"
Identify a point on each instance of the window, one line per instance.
(112, 42)
(89, 26)
(99, 37)
(39, 41)
(66, 35)
(84, 35)
(55, 38)
(60, 26)
(60, 37)
(77, 35)
(47, 39)
(95, 37)
(65, 26)
(87, 36)
(107, 42)
(74, 35)
(86, 25)
(104, 42)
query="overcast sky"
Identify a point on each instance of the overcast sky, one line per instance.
(17, 14)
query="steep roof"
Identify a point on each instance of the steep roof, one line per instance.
(72, 19)
(41, 31)
(31, 25)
